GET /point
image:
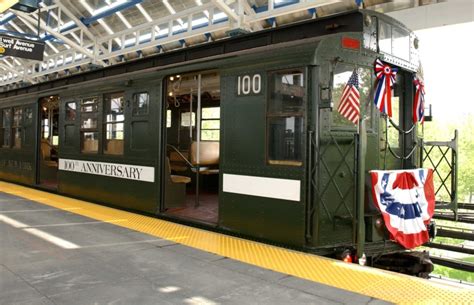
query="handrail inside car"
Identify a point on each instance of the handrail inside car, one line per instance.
(181, 155)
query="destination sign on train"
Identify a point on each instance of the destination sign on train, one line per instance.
(21, 47)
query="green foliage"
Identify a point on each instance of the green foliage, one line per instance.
(438, 130)
(454, 274)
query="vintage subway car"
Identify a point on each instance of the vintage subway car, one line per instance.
(241, 135)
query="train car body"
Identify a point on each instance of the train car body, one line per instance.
(240, 135)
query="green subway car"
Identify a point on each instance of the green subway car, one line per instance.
(240, 135)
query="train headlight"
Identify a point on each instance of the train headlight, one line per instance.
(344, 255)
(379, 223)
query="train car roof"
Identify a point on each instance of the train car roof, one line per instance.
(344, 22)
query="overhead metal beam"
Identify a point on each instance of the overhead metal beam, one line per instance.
(88, 47)
(226, 9)
(289, 9)
(112, 10)
(71, 43)
(6, 18)
(78, 22)
(249, 11)
(22, 73)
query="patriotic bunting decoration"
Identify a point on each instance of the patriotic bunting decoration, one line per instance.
(419, 101)
(406, 200)
(349, 106)
(383, 91)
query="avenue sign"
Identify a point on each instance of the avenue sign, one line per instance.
(21, 47)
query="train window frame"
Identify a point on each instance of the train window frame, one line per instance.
(109, 119)
(205, 119)
(169, 118)
(192, 114)
(70, 110)
(88, 131)
(27, 116)
(136, 109)
(17, 127)
(365, 100)
(299, 112)
(6, 128)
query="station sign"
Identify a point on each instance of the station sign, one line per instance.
(21, 47)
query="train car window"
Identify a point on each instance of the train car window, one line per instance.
(385, 37)
(141, 101)
(16, 127)
(210, 123)
(401, 43)
(370, 33)
(89, 125)
(114, 123)
(342, 73)
(188, 118)
(285, 117)
(70, 111)
(6, 132)
(28, 116)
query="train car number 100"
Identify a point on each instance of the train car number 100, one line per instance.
(247, 84)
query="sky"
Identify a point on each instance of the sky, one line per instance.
(446, 54)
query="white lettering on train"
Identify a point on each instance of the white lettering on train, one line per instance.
(124, 171)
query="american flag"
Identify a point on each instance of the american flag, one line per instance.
(349, 106)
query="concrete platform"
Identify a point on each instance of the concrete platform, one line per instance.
(53, 256)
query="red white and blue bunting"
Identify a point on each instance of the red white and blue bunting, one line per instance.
(386, 77)
(406, 199)
(419, 101)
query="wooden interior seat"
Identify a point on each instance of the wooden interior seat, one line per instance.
(177, 163)
(180, 179)
(46, 154)
(208, 161)
(176, 178)
(175, 195)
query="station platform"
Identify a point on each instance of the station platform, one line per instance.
(58, 250)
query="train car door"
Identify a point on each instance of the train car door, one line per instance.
(48, 142)
(335, 191)
(191, 163)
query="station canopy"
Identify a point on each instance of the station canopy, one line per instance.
(80, 35)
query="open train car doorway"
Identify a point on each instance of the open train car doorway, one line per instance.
(191, 163)
(49, 141)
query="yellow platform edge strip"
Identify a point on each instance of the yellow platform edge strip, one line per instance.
(384, 285)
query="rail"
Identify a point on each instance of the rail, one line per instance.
(452, 263)
(453, 232)
(455, 248)
(181, 155)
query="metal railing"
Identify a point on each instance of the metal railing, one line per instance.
(442, 157)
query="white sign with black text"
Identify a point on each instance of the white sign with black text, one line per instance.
(124, 171)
